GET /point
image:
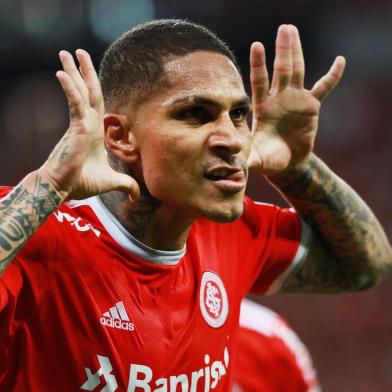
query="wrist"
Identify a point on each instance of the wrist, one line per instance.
(46, 177)
(291, 176)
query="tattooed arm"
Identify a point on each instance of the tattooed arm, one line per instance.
(349, 250)
(22, 212)
(77, 167)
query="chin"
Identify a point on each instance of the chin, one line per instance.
(224, 213)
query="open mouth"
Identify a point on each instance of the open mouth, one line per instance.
(227, 178)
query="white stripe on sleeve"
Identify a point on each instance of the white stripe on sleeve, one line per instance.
(300, 256)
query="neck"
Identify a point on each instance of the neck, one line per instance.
(148, 220)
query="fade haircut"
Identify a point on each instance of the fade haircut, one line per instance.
(132, 67)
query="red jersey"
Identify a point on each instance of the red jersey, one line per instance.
(86, 306)
(270, 356)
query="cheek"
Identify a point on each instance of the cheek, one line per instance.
(166, 170)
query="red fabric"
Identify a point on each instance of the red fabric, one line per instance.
(270, 357)
(66, 278)
(264, 364)
(4, 190)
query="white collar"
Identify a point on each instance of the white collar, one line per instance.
(119, 234)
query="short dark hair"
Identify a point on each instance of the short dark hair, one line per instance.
(133, 66)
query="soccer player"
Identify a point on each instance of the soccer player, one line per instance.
(270, 356)
(126, 255)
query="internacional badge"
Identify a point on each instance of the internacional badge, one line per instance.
(213, 300)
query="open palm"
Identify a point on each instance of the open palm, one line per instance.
(78, 165)
(285, 115)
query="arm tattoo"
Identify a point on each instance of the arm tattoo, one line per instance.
(352, 252)
(22, 212)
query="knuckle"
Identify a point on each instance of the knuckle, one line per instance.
(298, 66)
(328, 84)
(259, 80)
(283, 68)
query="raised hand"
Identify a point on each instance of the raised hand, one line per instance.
(78, 165)
(285, 115)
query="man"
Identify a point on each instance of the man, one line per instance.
(270, 356)
(140, 288)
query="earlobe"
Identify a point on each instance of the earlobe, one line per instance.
(119, 138)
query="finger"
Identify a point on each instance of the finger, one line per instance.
(75, 101)
(258, 74)
(90, 78)
(329, 81)
(283, 59)
(298, 75)
(70, 68)
(124, 183)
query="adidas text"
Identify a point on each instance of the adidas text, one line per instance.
(109, 322)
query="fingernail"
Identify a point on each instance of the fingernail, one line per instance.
(81, 51)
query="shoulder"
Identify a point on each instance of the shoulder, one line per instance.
(259, 318)
(267, 338)
(256, 216)
(266, 322)
(259, 215)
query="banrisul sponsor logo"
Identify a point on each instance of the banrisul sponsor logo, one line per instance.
(117, 317)
(142, 378)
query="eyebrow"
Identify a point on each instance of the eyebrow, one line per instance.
(198, 100)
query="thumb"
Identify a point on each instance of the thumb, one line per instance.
(124, 183)
(329, 81)
(254, 159)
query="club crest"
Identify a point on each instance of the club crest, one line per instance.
(213, 300)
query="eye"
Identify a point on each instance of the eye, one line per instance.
(195, 115)
(239, 114)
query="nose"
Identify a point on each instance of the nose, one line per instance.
(225, 139)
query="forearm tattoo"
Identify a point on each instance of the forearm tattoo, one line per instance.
(355, 248)
(21, 213)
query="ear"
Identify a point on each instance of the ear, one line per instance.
(119, 138)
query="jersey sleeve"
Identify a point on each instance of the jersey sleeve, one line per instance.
(34, 252)
(16, 290)
(4, 191)
(283, 240)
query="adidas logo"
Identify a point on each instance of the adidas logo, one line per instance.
(117, 317)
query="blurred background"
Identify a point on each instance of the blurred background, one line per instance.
(349, 336)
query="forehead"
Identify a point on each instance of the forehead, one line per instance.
(204, 74)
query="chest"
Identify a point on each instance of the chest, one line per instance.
(176, 320)
(111, 313)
